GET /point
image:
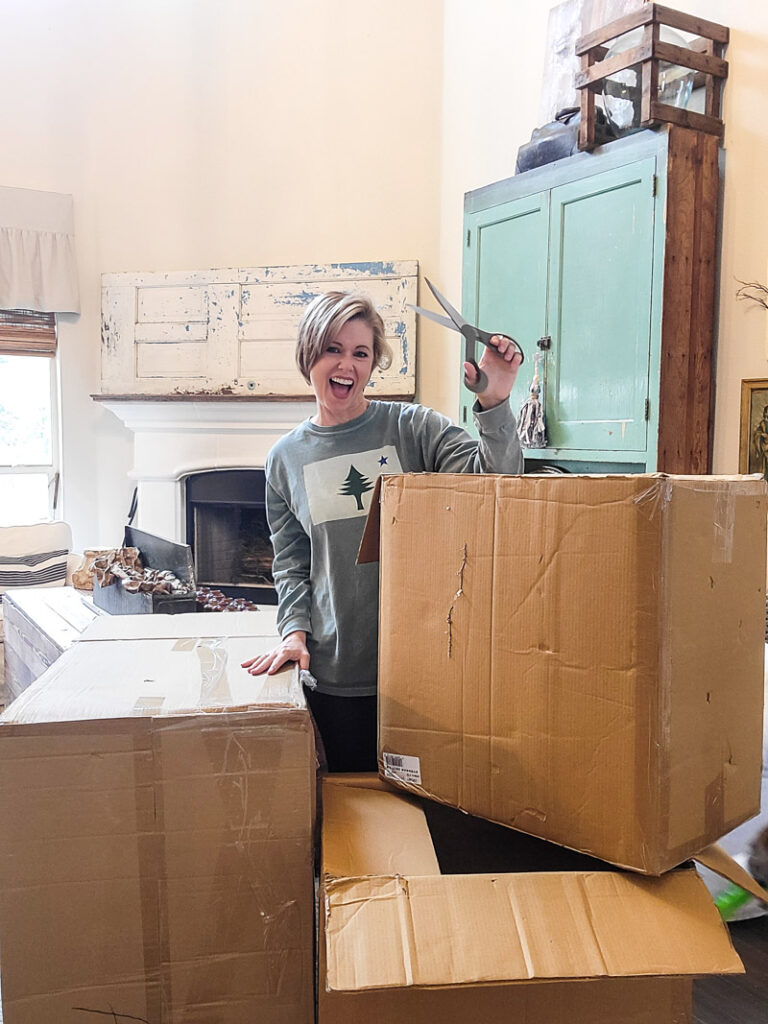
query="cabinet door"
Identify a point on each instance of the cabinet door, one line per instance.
(505, 278)
(601, 271)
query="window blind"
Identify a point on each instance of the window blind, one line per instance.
(25, 332)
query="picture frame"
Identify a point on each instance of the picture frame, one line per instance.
(753, 432)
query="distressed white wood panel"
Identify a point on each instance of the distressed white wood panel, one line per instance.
(182, 305)
(118, 337)
(165, 360)
(223, 344)
(261, 357)
(244, 323)
(348, 273)
(171, 332)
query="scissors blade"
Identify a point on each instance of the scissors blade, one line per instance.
(434, 316)
(454, 314)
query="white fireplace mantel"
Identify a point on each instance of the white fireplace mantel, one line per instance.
(173, 439)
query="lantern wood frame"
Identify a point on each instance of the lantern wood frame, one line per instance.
(704, 55)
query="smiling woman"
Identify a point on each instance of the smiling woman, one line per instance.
(320, 481)
(341, 373)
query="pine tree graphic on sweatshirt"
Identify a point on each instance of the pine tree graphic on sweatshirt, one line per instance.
(356, 485)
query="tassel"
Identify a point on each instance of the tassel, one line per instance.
(531, 426)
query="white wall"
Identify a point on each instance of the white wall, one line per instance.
(240, 132)
(215, 133)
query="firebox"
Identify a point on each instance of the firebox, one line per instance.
(228, 533)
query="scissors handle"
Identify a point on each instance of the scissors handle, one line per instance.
(480, 384)
(484, 337)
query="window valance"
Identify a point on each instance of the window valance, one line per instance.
(37, 252)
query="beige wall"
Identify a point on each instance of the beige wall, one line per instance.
(240, 132)
(216, 133)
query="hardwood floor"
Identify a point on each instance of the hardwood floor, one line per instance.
(738, 999)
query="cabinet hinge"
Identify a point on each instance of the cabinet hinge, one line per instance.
(654, 184)
(647, 409)
(469, 238)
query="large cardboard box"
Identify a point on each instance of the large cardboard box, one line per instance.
(156, 854)
(577, 657)
(401, 941)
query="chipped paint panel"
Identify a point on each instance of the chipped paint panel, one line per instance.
(326, 275)
(173, 278)
(171, 332)
(289, 299)
(118, 321)
(156, 305)
(246, 275)
(224, 311)
(234, 332)
(266, 326)
(164, 360)
(274, 357)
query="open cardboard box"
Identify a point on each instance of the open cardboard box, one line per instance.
(577, 657)
(399, 940)
(157, 849)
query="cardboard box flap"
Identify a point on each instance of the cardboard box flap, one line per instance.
(380, 836)
(147, 678)
(396, 931)
(716, 859)
(391, 920)
(369, 543)
(261, 623)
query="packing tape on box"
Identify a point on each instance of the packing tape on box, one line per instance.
(724, 520)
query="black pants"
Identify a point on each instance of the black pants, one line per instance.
(347, 726)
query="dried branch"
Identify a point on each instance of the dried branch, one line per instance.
(753, 290)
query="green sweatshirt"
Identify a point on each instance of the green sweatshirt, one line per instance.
(319, 484)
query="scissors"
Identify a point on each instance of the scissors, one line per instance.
(471, 335)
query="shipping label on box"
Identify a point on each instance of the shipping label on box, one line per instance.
(577, 657)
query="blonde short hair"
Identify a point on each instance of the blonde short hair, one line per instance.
(325, 316)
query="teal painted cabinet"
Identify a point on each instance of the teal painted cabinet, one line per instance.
(605, 264)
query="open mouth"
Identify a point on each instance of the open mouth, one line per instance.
(341, 386)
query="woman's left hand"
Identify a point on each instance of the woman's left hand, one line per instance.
(500, 364)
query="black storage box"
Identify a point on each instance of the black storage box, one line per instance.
(156, 553)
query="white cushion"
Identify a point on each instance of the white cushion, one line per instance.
(34, 556)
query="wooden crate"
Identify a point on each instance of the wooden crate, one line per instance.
(704, 55)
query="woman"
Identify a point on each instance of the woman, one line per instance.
(317, 477)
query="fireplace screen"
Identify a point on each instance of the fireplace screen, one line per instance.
(228, 533)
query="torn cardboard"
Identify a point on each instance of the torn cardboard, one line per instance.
(401, 941)
(577, 657)
(156, 859)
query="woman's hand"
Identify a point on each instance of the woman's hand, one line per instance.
(293, 647)
(500, 364)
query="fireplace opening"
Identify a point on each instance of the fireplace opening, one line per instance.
(228, 533)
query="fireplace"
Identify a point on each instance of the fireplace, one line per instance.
(178, 440)
(226, 528)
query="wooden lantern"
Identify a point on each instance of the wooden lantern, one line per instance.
(703, 55)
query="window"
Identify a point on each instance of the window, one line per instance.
(28, 417)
